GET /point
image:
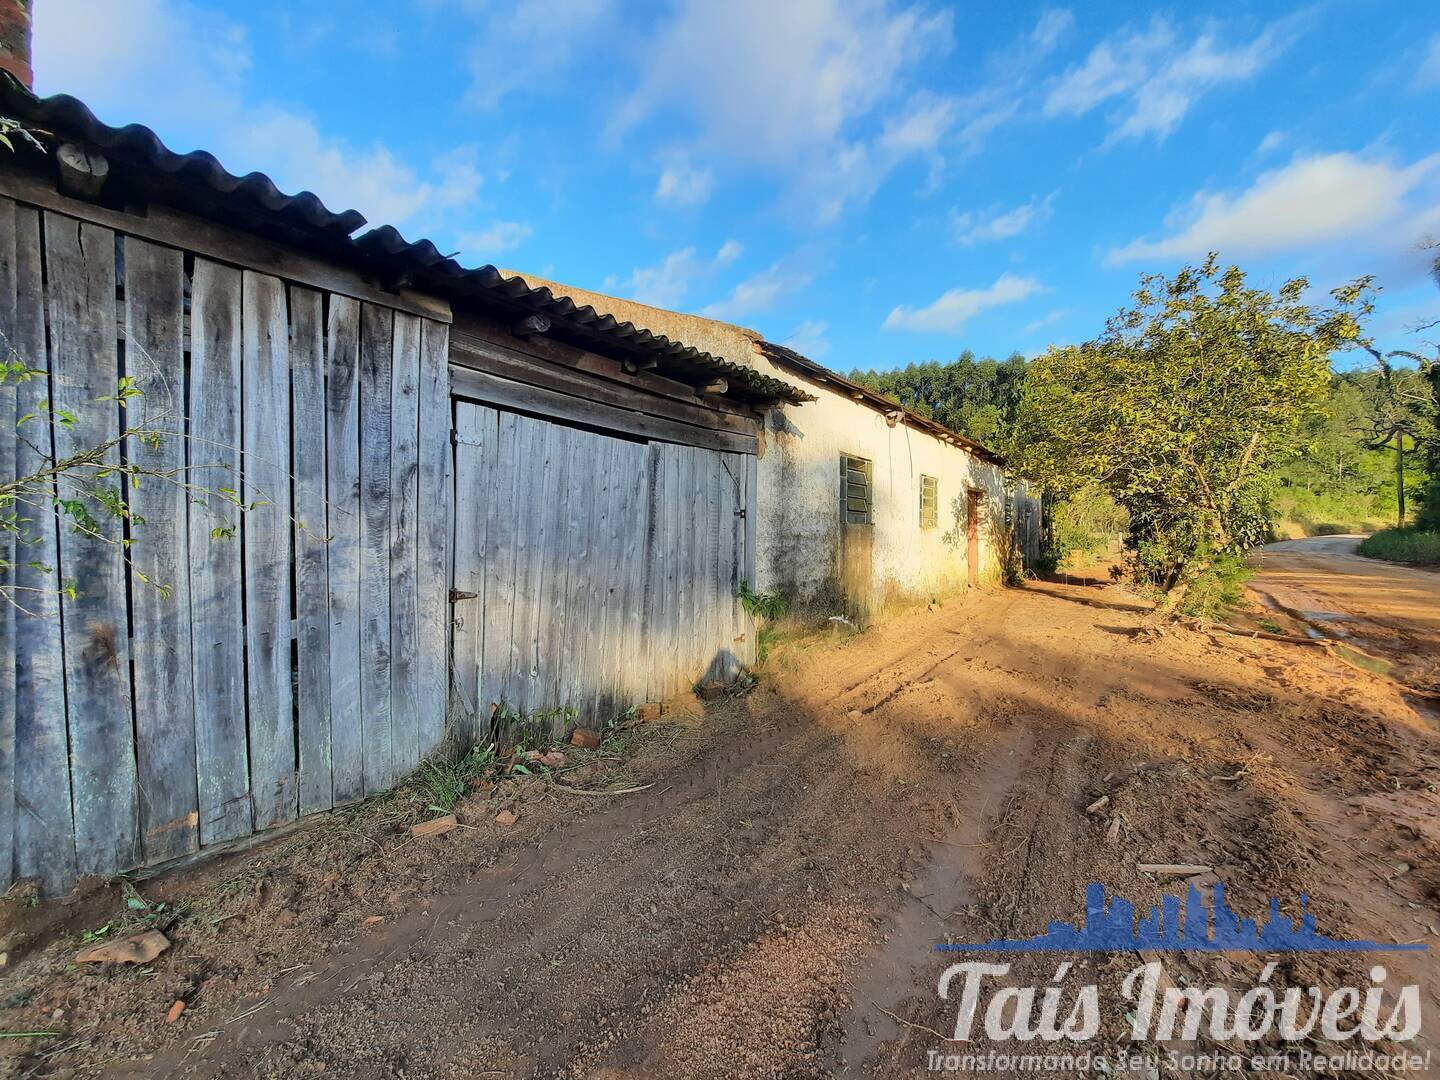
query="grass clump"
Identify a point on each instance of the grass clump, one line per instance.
(1407, 545)
(1219, 590)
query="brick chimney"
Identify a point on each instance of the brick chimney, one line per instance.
(15, 40)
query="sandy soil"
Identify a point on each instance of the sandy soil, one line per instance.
(1389, 611)
(770, 906)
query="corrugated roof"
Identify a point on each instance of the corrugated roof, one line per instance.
(198, 182)
(745, 344)
(426, 267)
(139, 147)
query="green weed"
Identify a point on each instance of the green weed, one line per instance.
(1408, 545)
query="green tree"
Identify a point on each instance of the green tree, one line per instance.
(1182, 408)
(976, 397)
(1396, 414)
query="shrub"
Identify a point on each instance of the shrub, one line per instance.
(1220, 588)
(1409, 545)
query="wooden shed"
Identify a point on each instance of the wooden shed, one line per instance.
(471, 498)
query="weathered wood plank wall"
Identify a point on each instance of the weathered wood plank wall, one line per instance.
(214, 673)
(605, 571)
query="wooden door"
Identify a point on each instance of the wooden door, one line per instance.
(972, 536)
(591, 572)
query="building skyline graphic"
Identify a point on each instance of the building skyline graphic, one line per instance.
(1110, 926)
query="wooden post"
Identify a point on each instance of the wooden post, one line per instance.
(82, 172)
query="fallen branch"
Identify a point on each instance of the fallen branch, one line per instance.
(618, 791)
(1264, 635)
(909, 1024)
(1172, 869)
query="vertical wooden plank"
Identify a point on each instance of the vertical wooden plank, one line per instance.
(740, 632)
(160, 557)
(692, 545)
(44, 845)
(551, 610)
(474, 431)
(596, 593)
(604, 569)
(499, 568)
(601, 563)
(433, 524)
(712, 654)
(636, 682)
(80, 262)
(531, 468)
(725, 669)
(376, 344)
(654, 571)
(265, 420)
(622, 498)
(343, 515)
(404, 544)
(580, 477)
(661, 644)
(217, 619)
(630, 590)
(312, 586)
(8, 456)
(751, 490)
(671, 615)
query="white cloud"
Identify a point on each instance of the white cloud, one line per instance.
(1312, 202)
(158, 62)
(1048, 319)
(1157, 77)
(523, 44)
(920, 127)
(971, 228)
(763, 79)
(954, 308)
(682, 185)
(497, 237)
(808, 339)
(1429, 73)
(667, 284)
(194, 91)
(799, 88)
(1054, 24)
(1011, 74)
(1271, 142)
(297, 155)
(762, 291)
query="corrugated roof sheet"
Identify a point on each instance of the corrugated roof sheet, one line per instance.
(428, 268)
(139, 147)
(198, 182)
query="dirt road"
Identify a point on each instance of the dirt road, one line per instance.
(1390, 611)
(769, 906)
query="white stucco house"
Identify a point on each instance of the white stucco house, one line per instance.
(861, 503)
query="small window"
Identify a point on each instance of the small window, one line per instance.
(929, 501)
(856, 490)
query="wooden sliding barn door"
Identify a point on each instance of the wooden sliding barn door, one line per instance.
(591, 572)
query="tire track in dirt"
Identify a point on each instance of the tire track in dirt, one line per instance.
(781, 888)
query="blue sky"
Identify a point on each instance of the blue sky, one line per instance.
(872, 182)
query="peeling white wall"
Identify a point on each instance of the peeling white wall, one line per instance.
(798, 532)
